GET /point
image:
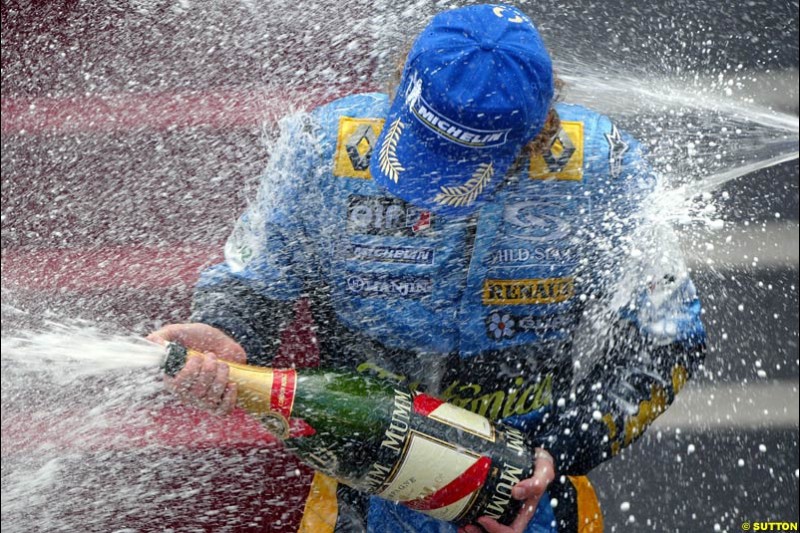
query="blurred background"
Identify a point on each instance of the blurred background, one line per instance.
(133, 134)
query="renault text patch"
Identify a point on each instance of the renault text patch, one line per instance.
(527, 291)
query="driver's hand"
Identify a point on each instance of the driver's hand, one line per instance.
(203, 382)
(530, 490)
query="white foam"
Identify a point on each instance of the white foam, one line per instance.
(72, 348)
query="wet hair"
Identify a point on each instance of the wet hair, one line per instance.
(536, 146)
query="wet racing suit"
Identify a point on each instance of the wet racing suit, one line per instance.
(485, 311)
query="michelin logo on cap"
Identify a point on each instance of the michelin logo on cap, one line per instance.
(450, 129)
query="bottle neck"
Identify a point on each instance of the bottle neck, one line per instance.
(263, 392)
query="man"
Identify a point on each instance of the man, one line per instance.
(459, 238)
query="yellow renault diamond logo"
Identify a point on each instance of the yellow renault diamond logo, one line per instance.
(364, 147)
(354, 147)
(563, 159)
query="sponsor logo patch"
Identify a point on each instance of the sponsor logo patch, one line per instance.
(537, 255)
(386, 216)
(447, 128)
(563, 159)
(519, 398)
(386, 285)
(537, 221)
(617, 148)
(503, 326)
(355, 145)
(527, 291)
(388, 254)
(543, 232)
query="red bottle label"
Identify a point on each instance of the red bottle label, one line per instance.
(284, 383)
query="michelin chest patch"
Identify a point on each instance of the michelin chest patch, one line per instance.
(386, 254)
(563, 159)
(392, 286)
(386, 216)
(354, 146)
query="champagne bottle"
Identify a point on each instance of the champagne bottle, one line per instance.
(383, 439)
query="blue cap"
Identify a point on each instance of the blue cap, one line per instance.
(476, 87)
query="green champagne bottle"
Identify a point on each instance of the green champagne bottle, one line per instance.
(383, 439)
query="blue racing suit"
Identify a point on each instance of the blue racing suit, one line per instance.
(498, 312)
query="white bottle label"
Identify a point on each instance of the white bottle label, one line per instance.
(454, 416)
(435, 477)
